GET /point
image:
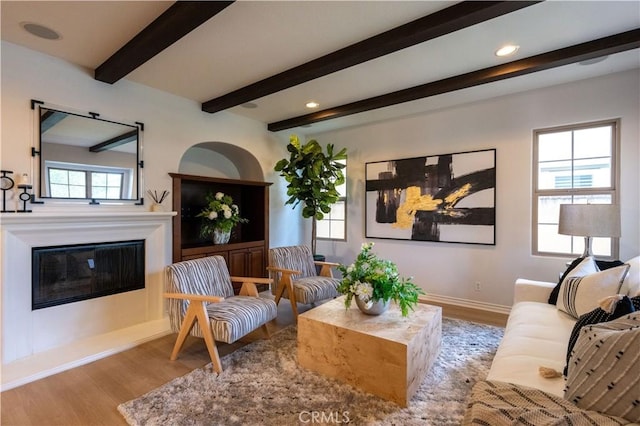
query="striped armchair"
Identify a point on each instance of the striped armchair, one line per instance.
(296, 279)
(202, 302)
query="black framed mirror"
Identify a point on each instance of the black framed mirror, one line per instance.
(87, 157)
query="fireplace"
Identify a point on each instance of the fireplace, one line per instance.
(40, 342)
(70, 273)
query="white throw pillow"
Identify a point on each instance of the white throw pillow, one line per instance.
(579, 295)
(586, 267)
(631, 284)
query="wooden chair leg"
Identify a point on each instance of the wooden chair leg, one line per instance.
(279, 291)
(205, 326)
(197, 312)
(294, 303)
(187, 324)
(286, 283)
(265, 329)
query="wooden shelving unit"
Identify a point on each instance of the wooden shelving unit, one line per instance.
(246, 252)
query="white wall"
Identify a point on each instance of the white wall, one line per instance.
(172, 125)
(505, 123)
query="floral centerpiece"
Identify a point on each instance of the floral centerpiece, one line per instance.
(372, 279)
(220, 216)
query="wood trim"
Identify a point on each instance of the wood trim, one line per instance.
(219, 180)
(592, 49)
(176, 221)
(446, 21)
(211, 250)
(177, 21)
(194, 297)
(469, 314)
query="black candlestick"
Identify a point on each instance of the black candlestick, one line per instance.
(6, 183)
(24, 197)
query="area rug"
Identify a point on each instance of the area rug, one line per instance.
(262, 384)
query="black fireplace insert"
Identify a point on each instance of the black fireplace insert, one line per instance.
(65, 274)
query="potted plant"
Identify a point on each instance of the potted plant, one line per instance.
(220, 216)
(312, 176)
(374, 282)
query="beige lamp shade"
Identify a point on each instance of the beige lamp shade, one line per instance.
(589, 220)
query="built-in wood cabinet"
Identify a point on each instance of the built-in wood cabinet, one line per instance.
(246, 252)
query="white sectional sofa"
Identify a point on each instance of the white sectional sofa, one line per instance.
(537, 334)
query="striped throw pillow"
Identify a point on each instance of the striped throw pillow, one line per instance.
(580, 294)
(603, 372)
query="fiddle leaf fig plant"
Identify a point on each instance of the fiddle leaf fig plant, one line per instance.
(312, 177)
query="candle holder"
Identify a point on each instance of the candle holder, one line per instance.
(6, 183)
(24, 197)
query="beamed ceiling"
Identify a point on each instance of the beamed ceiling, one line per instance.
(361, 61)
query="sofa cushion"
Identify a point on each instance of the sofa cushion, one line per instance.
(496, 404)
(624, 306)
(580, 294)
(602, 265)
(536, 335)
(631, 284)
(603, 372)
(553, 297)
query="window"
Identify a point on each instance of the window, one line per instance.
(573, 165)
(66, 180)
(334, 224)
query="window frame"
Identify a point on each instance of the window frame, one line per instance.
(612, 190)
(126, 178)
(328, 215)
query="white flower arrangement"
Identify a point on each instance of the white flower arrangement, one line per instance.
(220, 213)
(372, 279)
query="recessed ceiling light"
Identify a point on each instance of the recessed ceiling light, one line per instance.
(40, 31)
(249, 105)
(507, 50)
(312, 104)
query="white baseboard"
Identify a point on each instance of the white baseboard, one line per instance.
(26, 370)
(465, 303)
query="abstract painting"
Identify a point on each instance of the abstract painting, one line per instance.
(444, 198)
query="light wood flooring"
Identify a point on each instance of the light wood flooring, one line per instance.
(89, 395)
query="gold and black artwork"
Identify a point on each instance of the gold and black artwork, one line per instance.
(443, 198)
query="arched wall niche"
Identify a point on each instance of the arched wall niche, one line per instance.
(220, 159)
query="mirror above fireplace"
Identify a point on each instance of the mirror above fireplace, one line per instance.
(87, 157)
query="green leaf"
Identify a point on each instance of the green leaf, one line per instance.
(280, 165)
(308, 212)
(293, 140)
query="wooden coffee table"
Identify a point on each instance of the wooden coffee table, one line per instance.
(386, 355)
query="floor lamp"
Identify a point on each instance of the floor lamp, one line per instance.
(589, 220)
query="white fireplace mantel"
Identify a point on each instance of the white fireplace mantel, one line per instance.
(38, 343)
(98, 217)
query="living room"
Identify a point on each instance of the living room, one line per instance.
(473, 276)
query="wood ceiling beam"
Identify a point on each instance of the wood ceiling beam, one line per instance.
(177, 21)
(115, 141)
(446, 21)
(580, 52)
(50, 119)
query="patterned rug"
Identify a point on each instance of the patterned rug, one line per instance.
(262, 384)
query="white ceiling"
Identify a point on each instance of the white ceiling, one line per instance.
(252, 40)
